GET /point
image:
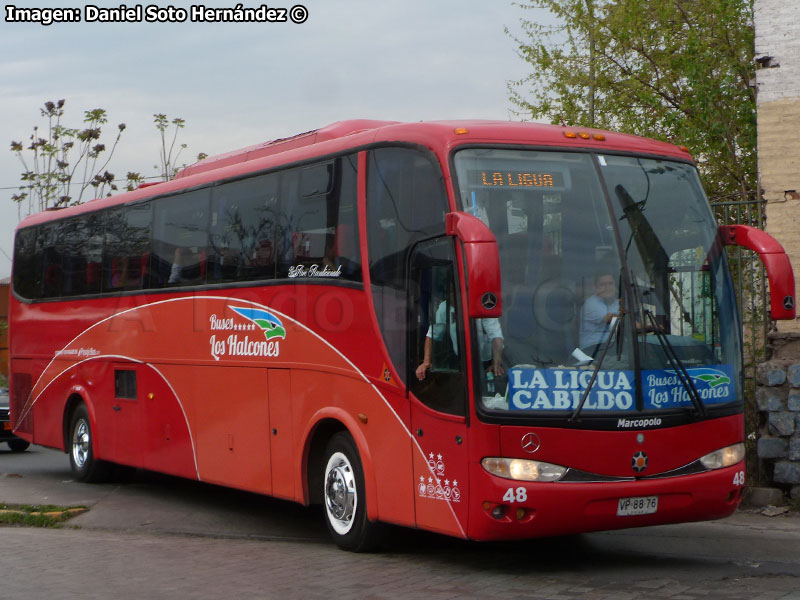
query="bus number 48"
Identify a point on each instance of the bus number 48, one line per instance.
(738, 478)
(518, 495)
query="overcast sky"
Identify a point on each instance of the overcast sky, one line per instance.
(240, 84)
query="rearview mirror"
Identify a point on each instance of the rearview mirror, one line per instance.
(482, 264)
(776, 263)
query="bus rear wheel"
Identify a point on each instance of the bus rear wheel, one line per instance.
(85, 467)
(344, 497)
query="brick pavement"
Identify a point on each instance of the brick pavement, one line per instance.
(87, 564)
(160, 537)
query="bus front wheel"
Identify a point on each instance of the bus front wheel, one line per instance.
(85, 467)
(344, 497)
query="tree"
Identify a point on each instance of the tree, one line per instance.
(676, 70)
(168, 167)
(65, 162)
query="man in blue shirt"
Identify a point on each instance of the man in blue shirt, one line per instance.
(598, 312)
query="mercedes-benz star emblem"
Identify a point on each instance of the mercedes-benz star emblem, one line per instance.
(639, 461)
(788, 303)
(488, 300)
(530, 443)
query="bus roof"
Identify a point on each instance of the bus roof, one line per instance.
(359, 133)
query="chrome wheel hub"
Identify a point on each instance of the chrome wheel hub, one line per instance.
(340, 493)
(80, 443)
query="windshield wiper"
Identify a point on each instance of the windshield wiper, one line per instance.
(597, 366)
(677, 365)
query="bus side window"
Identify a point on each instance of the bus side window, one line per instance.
(126, 251)
(70, 243)
(319, 224)
(242, 229)
(406, 202)
(180, 239)
(346, 249)
(435, 331)
(27, 264)
(51, 261)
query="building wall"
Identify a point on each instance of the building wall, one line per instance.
(777, 29)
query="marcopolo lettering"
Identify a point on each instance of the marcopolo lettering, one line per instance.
(637, 423)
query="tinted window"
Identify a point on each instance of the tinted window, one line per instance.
(318, 234)
(59, 259)
(296, 223)
(180, 240)
(127, 249)
(242, 229)
(50, 253)
(125, 384)
(435, 328)
(406, 202)
(27, 264)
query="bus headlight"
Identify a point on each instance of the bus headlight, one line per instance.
(724, 457)
(523, 470)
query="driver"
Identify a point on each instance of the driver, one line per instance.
(598, 312)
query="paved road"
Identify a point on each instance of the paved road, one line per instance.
(159, 537)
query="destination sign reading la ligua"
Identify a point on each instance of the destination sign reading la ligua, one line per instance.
(532, 389)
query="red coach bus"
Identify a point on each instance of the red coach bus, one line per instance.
(490, 330)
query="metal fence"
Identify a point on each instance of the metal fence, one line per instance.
(749, 279)
(752, 297)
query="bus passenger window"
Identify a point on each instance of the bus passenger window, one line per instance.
(242, 229)
(318, 237)
(180, 240)
(27, 264)
(51, 261)
(127, 245)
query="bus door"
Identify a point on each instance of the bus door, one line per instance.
(437, 388)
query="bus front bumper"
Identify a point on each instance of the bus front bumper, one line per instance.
(505, 509)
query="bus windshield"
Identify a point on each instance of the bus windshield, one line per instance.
(613, 281)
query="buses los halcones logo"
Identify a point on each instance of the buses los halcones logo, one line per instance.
(241, 343)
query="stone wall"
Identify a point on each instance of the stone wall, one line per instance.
(778, 399)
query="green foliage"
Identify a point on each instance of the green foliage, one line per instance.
(169, 163)
(676, 70)
(63, 163)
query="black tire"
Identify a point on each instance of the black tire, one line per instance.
(18, 445)
(80, 447)
(344, 497)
